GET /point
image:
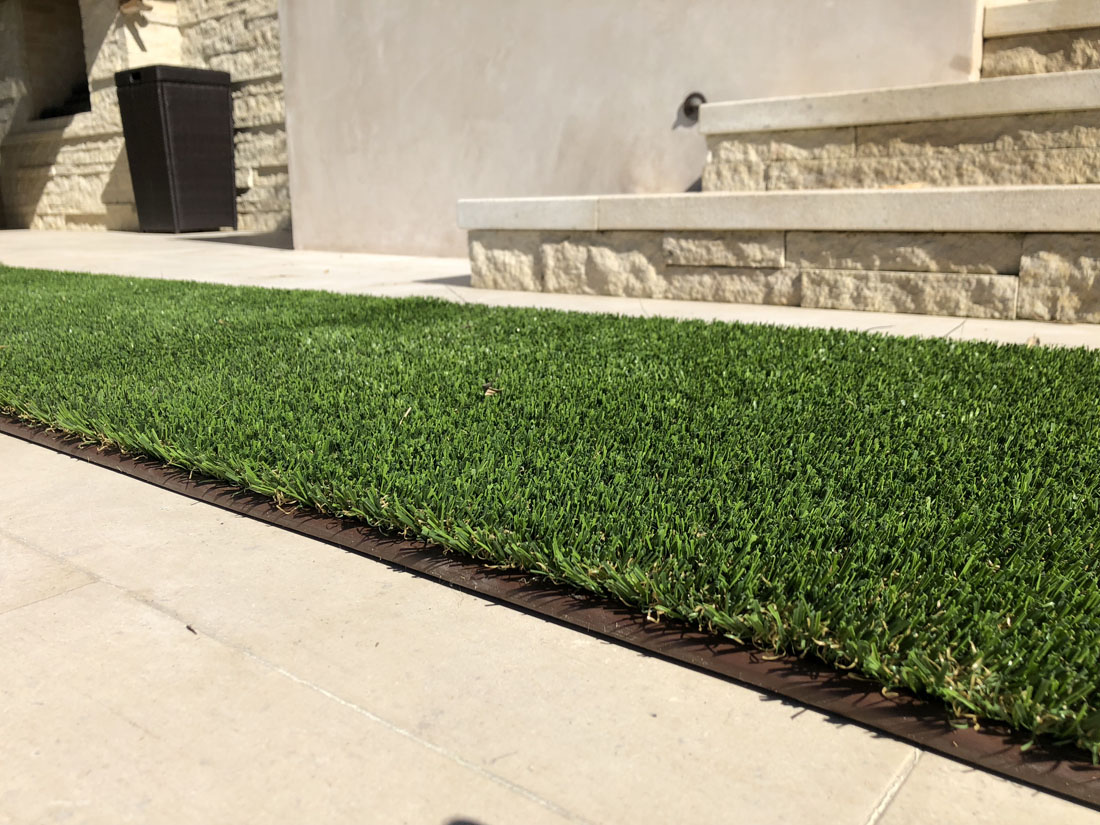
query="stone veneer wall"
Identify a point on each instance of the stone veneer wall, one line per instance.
(1042, 52)
(72, 172)
(1042, 148)
(242, 37)
(983, 275)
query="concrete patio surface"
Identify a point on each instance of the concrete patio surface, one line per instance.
(265, 260)
(167, 661)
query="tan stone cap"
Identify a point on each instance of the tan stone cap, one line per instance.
(954, 209)
(1049, 15)
(904, 104)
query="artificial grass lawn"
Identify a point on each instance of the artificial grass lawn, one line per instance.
(924, 512)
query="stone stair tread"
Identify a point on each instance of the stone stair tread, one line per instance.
(1045, 16)
(1074, 208)
(1054, 92)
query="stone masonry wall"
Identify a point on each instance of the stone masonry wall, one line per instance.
(242, 37)
(1042, 148)
(982, 275)
(72, 173)
(1043, 52)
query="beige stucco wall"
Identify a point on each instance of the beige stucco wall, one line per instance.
(396, 109)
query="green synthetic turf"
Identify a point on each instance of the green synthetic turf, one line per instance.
(924, 512)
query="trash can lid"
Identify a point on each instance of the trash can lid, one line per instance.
(170, 74)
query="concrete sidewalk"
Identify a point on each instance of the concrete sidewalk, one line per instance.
(243, 258)
(166, 661)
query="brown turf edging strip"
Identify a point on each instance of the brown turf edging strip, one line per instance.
(1062, 770)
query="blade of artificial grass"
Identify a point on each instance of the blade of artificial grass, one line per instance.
(922, 511)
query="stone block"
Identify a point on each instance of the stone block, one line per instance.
(787, 145)
(264, 199)
(245, 46)
(59, 194)
(33, 221)
(1042, 53)
(505, 260)
(65, 154)
(263, 177)
(753, 147)
(264, 221)
(196, 11)
(1049, 130)
(1060, 278)
(929, 293)
(962, 252)
(738, 249)
(744, 176)
(604, 263)
(259, 103)
(733, 285)
(1013, 168)
(260, 147)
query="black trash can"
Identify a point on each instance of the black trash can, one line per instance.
(178, 124)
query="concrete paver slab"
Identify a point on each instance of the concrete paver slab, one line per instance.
(231, 258)
(115, 712)
(596, 729)
(27, 576)
(947, 793)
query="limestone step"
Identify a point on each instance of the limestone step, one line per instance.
(990, 252)
(1040, 37)
(1011, 131)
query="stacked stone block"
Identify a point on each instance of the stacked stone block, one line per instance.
(1042, 53)
(1040, 148)
(1050, 277)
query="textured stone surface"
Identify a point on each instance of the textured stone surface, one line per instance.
(1060, 278)
(604, 263)
(930, 293)
(1041, 53)
(260, 147)
(738, 176)
(734, 285)
(787, 145)
(1051, 130)
(961, 274)
(259, 103)
(963, 252)
(1026, 167)
(743, 249)
(505, 260)
(196, 11)
(1041, 148)
(240, 43)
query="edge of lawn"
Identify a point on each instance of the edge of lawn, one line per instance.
(1062, 769)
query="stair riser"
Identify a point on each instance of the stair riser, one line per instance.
(1042, 53)
(1027, 149)
(983, 275)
